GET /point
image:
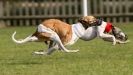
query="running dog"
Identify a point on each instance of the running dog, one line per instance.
(58, 33)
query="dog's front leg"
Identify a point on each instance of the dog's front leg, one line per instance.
(108, 36)
(100, 32)
(122, 42)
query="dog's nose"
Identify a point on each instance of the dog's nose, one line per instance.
(126, 37)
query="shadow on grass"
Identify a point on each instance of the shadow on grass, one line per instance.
(20, 62)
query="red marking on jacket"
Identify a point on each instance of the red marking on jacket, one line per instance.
(108, 27)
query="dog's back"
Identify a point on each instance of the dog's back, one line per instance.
(63, 29)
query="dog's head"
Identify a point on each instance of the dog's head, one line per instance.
(87, 21)
(119, 34)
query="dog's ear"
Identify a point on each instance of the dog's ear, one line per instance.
(88, 20)
(82, 20)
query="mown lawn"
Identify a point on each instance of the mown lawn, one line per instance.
(95, 57)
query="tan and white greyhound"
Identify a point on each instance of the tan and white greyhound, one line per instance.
(58, 33)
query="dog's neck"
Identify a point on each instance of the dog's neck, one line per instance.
(77, 31)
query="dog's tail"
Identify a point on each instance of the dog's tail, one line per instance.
(20, 41)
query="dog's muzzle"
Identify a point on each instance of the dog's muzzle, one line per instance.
(121, 36)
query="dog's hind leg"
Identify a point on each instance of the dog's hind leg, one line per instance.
(52, 35)
(50, 51)
(56, 38)
(52, 47)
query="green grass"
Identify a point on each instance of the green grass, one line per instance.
(96, 57)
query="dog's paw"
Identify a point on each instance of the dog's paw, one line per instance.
(128, 41)
(40, 53)
(73, 50)
(114, 43)
(123, 42)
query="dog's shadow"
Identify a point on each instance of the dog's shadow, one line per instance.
(33, 60)
(22, 62)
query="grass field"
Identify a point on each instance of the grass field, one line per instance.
(95, 57)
